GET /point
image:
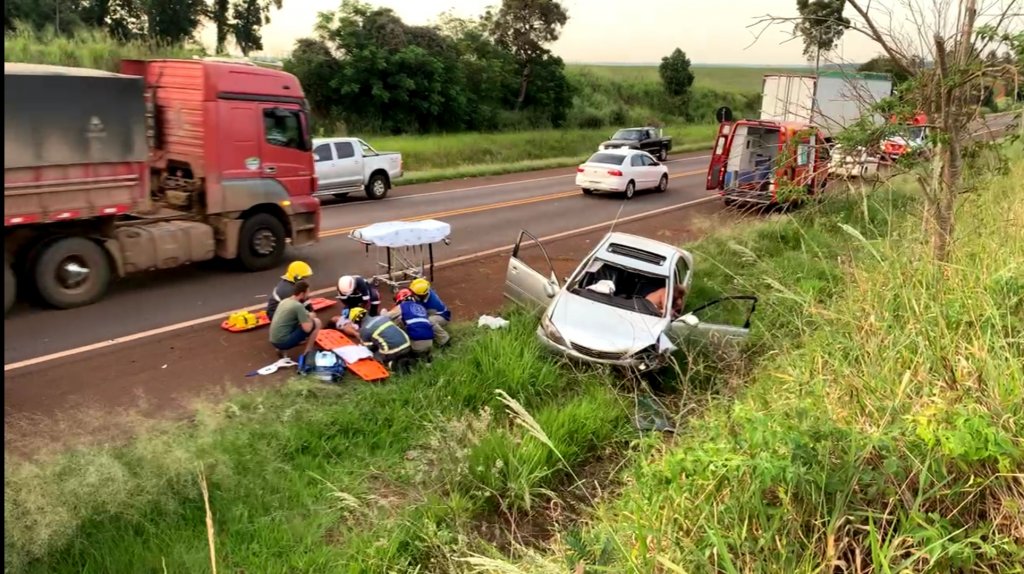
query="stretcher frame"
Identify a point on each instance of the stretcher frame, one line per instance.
(398, 266)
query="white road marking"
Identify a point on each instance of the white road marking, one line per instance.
(220, 316)
(476, 187)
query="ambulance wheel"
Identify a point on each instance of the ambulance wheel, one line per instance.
(630, 190)
(261, 242)
(10, 287)
(378, 187)
(72, 272)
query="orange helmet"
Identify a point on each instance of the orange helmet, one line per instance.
(402, 295)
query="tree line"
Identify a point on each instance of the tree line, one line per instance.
(366, 67)
(170, 22)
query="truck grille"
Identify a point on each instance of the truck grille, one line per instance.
(603, 355)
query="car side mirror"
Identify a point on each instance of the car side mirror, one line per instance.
(550, 290)
(690, 319)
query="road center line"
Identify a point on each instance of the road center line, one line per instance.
(446, 263)
(485, 186)
(488, 207)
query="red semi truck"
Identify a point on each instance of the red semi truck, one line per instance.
(168, 163)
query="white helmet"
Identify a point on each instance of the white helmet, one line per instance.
(346, 285)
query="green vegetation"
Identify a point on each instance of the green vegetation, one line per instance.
(86, 49)
(876, 420)
(738, 79)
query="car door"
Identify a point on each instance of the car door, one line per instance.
(524, 285)
(326, 166)
(719, 157)
(350, 164)
(285, 148)
(715, 322)
(649, 145)
(653, 170)
(638, 171)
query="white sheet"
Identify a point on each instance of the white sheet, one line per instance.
(352, 353)
(403, 233)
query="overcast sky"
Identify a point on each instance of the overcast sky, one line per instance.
(618, 31)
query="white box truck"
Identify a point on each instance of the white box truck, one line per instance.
(831, 101)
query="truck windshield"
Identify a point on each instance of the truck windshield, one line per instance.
(628, 135)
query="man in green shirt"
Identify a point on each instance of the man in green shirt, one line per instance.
(293, 324)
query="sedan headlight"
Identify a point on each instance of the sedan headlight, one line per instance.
(649, 358)
(551, 332)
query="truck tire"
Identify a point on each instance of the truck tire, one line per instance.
(261, 242)
(378, 187)
(663, 154)
(72, 272)
(10, 287)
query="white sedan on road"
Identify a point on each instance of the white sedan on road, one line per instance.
(621, 171)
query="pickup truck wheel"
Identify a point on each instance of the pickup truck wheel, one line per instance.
(630, 190)
(10, 287)
(662, 154)
(663, 183)
(261, 242)
(72, 272)
(377, 188)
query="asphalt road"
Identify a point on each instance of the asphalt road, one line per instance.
(485, 213)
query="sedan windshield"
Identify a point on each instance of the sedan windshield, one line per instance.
(628, 135)
(620, 287)
(607, 158)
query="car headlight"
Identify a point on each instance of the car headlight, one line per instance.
(649, 358)
(551, 332)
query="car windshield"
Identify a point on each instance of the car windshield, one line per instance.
(607, 158)
(620, 287)
(916, 134)
(628, 135)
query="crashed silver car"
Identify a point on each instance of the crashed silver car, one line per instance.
(622, 306)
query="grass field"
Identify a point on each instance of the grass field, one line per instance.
(740, 79)
(874, 420)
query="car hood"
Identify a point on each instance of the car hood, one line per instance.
(620, 143)
(604, 328)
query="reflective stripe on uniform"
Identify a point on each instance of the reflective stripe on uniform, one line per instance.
(383, 343)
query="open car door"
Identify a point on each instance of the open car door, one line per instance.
(525, 286)
(717, 322)
(719, 156)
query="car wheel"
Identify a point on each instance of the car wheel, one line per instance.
(588, 191)
(630, 190)
(10, 287)
(377, 188)
(663, 183)
(72, 272)
(261, 242)
(662, 154)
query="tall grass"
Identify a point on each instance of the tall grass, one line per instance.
(882, 431)
(86, 49)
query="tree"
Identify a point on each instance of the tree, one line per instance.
(249, 17)
(525, 28)
(885, 65)
(821, 25)
(316, 67)
(944, 63)
(173, 21)
(675, 73)
(220, 13)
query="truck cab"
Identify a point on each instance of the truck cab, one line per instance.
(753, 160)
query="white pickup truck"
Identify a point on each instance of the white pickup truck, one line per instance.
(347, 165)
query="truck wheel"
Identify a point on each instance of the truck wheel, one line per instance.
(662, 154)
(378, 187)
(72, 272)
(261, 242)
(10, 287)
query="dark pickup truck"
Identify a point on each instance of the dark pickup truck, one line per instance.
(648, 139)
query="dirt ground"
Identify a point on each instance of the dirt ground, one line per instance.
(98, 395)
